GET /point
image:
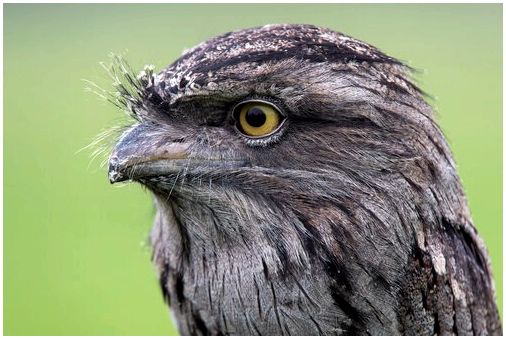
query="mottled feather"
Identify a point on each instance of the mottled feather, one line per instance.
(351, 220)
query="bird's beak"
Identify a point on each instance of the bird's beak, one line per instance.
(141, 152)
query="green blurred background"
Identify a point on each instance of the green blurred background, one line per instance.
(75, 262)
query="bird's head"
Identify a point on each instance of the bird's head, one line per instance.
(282, 122)
(298, 152)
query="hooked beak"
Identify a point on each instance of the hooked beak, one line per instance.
(141, 153)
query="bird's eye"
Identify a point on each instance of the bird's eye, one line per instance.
(257, 118)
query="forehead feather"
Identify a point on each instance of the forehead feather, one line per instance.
(204, 64)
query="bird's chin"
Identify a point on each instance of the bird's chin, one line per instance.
(163, 185)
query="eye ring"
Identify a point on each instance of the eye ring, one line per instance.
(271, 122)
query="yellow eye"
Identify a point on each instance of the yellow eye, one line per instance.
(258, 119)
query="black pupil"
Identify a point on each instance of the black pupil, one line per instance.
(255, 117)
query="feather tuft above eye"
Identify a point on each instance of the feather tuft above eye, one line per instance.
(130, 89)
(129, 92)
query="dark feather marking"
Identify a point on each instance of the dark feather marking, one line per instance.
(275, 306)
(357, 320)
(238, 288)
(179, 288)
(200, 325)
(265, 270)
(301, 288)
(225, 324)
(246, 321)
(209, 294)
(286, 317)
(320, 332)
(269, 56)
(259, 303)
(163, 285)
(255, 327)
(185, 242)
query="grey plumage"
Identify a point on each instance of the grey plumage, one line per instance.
(351, 219)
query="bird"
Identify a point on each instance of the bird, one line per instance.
(302, 187)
